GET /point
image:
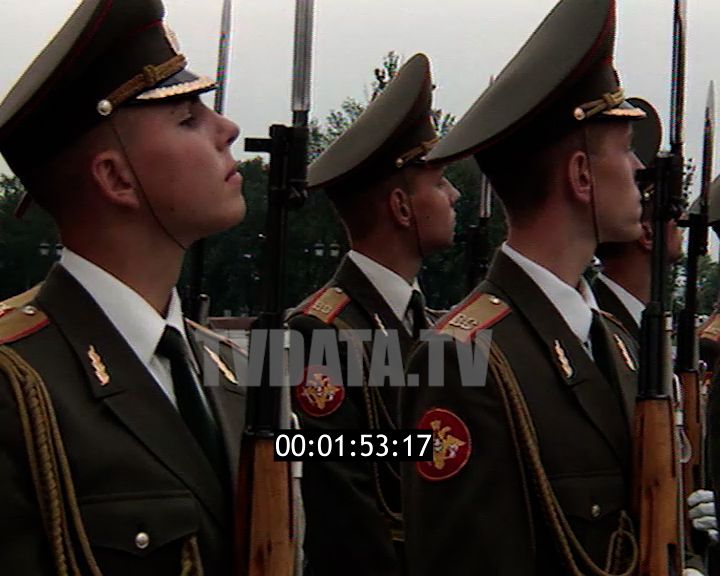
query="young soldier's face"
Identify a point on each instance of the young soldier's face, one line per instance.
(617, 198)
(433, 202)
(180, 152)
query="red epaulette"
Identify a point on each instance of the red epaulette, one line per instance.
(477, 312)
(326, 304)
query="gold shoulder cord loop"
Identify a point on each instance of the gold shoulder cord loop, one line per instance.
(146, 79)
(51, 473)
(608, 101)
(373, 419)
(418, 151)
(619, 562)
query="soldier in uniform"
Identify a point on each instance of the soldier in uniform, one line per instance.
(113, 458)
(396, 210)
(623, 286)
(531, 468)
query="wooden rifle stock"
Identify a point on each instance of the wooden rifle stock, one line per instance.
(688, 365)
(657, 472)
(264, 540)
(657, 489)
(694, 466)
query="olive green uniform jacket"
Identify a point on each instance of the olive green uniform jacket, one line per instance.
(483, 517)
(142, 483)
(353, 508)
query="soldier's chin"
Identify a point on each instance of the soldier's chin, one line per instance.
(630, 233)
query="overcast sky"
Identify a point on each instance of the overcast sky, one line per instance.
(466, 40)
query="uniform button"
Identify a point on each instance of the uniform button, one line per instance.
(494, 300)
(595, 510)
(142, 540)
(29, 310)
(338, 290)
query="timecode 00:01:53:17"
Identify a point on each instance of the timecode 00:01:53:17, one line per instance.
(370, 445)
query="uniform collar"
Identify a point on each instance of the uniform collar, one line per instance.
(575, 305)
(634, 306)
(136, 321)
(394, 289)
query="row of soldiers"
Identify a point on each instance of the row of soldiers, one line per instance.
(114, 459)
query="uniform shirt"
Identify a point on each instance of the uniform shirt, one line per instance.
(394, 289)
(133, 317)
(575, 305)
(634, 306)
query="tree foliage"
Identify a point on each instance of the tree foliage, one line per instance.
(21, 263)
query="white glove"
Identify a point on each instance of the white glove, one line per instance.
(692, 572)
(702, 513)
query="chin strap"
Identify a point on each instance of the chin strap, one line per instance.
(141, 188)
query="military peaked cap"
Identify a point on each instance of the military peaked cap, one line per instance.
(394, 130)
(108, 53)
(562, 76)
(647, 132)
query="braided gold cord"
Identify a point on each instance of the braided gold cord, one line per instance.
(373, 420)
(150, 76)
(50, 471)
(569, 545)
(190, 560)
(608, 101)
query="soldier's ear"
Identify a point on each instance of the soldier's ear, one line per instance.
(646, 238)
(400, 208)
(579, 177)
(113, 178)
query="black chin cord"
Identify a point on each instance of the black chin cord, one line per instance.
(416, 228)
(596, 227)
(141, 189)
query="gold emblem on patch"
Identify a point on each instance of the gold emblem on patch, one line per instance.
(625, 353)
(563, 360)
(221, 365)
(317, 394)
(451, 444)
(445, 445)
(100, 369)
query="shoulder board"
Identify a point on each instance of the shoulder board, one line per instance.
(326, 304)
(478, 312)
(7, 306)
(19, 323)
(614, 320)
(710, 329)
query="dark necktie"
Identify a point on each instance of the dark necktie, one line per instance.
(190, 401)
(417, 313)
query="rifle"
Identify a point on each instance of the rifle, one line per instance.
(477, 243)
(657, 472)
(199, 302)
(477, 239)
(264, 524)
(687, 362)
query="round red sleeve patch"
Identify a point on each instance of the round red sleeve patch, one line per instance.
(451, 445)
(317, 395)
